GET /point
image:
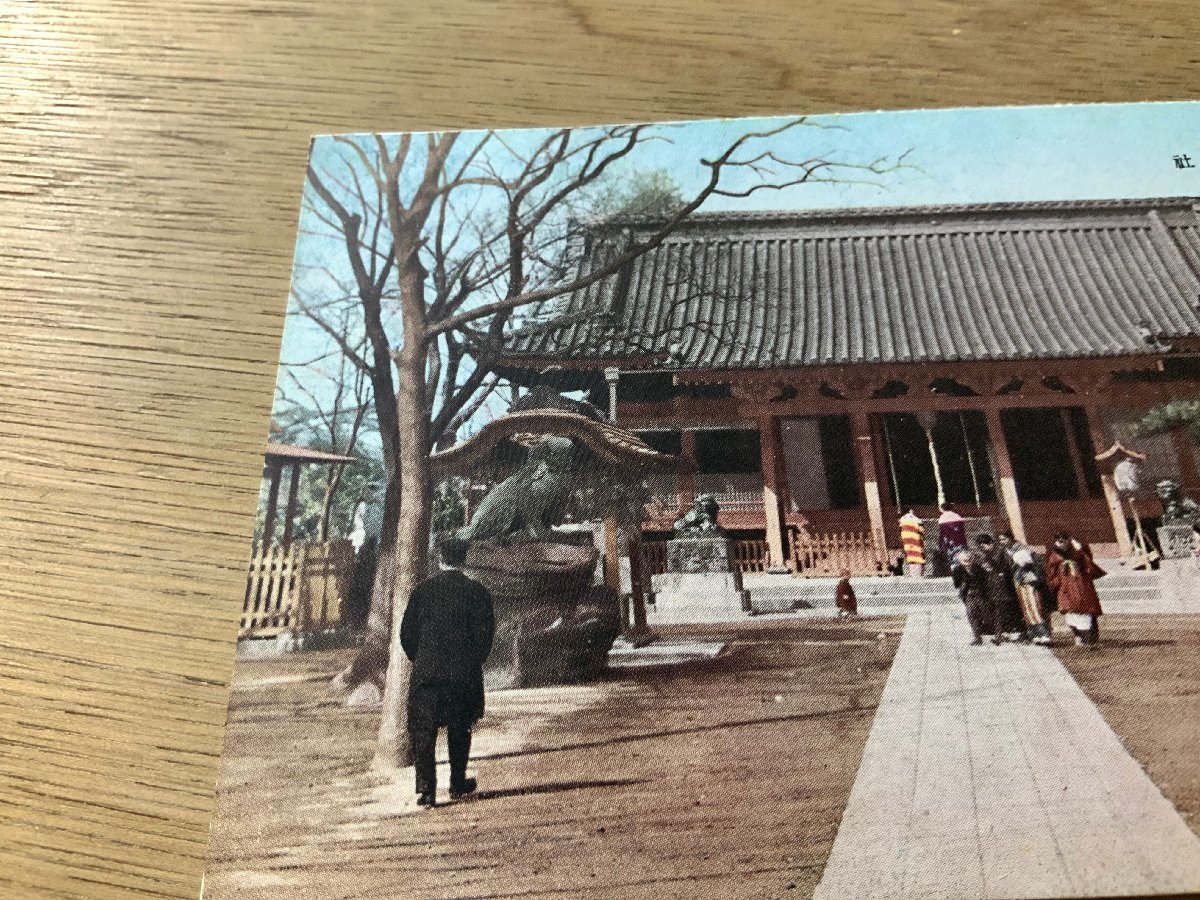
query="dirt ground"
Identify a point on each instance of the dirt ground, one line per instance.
(722, 778)
(1145, 678)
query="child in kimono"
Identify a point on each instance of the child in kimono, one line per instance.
(847, 602)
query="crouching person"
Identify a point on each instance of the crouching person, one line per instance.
(847, 602)
(447, 632)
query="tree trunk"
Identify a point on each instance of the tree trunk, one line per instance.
(371, 661)
(331, 483)
(411, 552)
(379, 619)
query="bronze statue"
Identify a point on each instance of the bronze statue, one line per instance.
(1177, 508)
(524, 506)
(702, 517)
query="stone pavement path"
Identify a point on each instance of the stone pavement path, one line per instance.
(989, 773)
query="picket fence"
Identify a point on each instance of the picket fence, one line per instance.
(296, 588)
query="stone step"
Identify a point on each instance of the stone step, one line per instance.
(783, 596)
(821, 591)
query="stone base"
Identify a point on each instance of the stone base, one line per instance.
(553, 625)
(1176, 541)
(711, 591)
(701, 552)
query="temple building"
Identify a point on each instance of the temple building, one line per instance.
(828, 371)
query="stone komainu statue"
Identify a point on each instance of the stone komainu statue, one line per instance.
(1177, 509)
(701, 517)
(525, 505)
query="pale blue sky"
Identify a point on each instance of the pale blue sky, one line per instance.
(959, 156)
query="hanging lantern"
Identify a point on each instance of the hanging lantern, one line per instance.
(1127, 476)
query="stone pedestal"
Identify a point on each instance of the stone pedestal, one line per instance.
(1176, 541)
(554, 625)
(701, 574)
(701, 553)
(1179, 583)
(711, 590)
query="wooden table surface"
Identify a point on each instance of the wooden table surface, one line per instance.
(151, 160)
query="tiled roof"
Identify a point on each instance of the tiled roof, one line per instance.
(994, 281)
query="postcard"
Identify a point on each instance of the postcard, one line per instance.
(767, 508)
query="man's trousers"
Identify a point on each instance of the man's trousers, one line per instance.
(431, 706)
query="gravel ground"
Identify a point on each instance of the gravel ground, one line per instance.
(718, 778)
(1145, 678)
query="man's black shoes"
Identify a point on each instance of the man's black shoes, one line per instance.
(458, 791)
(429, 800)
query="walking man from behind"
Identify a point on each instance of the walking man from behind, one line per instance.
(447, 632)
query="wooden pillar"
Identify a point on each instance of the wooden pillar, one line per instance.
(860, 424)
(636, 576)
(1008, 482)
(1112, 496)
(274, 473)
(638, 633)
(289, 515)
(1081, 485)
(612, 555)
(1188, 473)
(774, 487)
(687, 478)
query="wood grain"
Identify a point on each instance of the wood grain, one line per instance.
(151, 157)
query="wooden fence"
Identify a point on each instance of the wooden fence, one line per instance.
(751, 555)
(654, 559)
(823, 555)
(296, 588)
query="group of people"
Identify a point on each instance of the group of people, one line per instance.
(1009, 593)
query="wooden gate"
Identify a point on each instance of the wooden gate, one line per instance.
(296, 588)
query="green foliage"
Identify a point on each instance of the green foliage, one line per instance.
(1166, 417)
(602, 490)
(449, 507)
(651, 193)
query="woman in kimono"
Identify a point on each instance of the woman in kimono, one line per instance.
(1028, 583)
(1071, 573)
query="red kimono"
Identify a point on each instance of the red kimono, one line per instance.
(846, 601)
(1072, 575)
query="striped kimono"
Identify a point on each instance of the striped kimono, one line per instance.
(1027, 577)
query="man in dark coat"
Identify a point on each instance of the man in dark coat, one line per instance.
(971, 580)
(983, 577)
(447, 632)
(1001, 594)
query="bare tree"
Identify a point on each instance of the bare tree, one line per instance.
(478, 228)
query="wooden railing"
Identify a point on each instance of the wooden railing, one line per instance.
(296, 588)
(751, 555)
(823, 555)
(654, 559)
(741, 492)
